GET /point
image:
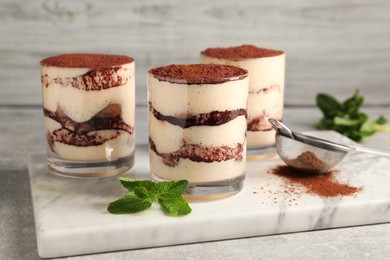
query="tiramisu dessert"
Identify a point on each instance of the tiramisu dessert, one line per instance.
(266, 86)
(88, 104)
(197, 125)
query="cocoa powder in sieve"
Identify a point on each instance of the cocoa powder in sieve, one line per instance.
(307, 160)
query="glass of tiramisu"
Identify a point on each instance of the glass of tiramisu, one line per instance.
(197, 127)
(266, 69)
(89, 110)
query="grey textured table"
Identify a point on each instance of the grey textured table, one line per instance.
(21, 133)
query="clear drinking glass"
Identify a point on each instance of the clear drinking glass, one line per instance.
(197, 127)
(89, 110)
(266, 68)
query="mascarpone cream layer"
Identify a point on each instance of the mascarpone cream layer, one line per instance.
(175, 99)
(261, 138)
(169, 138)
(81, 105)
(263, 72)
(267, 72)
(197, 172)
(270, 103)
(122, 144)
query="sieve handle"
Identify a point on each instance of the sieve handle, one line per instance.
(370, 150)
(281, 128)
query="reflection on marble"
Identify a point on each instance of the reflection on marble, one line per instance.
(71, 216)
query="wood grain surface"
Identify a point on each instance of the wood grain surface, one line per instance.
(333, 46)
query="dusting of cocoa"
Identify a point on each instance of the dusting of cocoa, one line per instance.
(240, 52)
(86, 60)
(198, 73)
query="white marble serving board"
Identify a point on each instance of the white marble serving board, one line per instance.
(71, 216)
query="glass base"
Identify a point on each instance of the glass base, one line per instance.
(77, 169)
(211, 190)
(261, 152)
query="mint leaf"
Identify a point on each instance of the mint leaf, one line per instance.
(345, 121)
(171, 199)
(345, 117)
(129, 203)
(175, 204)
(381, 120)
(329, 106)
(178, 187)
(351, 105)
(368, 128)
(142, 193)
(131, 184)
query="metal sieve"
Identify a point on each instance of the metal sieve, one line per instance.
(290, 146)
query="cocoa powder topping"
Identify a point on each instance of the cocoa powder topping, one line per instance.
(198, 73)
(240, 52)
(86, 60)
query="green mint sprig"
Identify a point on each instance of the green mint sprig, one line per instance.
(345, 117)
(143, 193)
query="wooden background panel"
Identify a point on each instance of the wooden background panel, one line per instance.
(333, 46)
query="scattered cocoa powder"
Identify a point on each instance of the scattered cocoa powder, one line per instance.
(324, 185)
(240, 52)
(86, 60)
(198, 73)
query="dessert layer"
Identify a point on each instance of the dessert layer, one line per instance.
(88, 103)
(197, 172)
(199, 153)
(266, 92)
(79, 134)
(85, 104)
(120, 146)
(240, 52)
(198, 73)
(263, 72)
(198, 123)
(86, 60)
(81, 144)
(213, 118)
(260, 138)
(261, 123)
(170, 138)
(262, 107)
(89, 81)
(172, 99)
